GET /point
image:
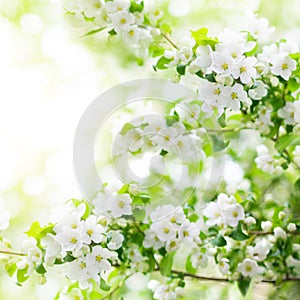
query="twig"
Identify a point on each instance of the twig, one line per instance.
(118, 286)
(170, 41)
(12, 253)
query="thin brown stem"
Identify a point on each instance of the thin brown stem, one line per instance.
(170, 41)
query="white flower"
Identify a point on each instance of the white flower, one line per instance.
(258, 91)
(70, 239)
(117, 6)
(53, 249)
(122, 20)
(260, 29)
(102, 19)
(83, 272)
(291, 227)
(279, 233)
(188, 231)
(266, 226)
(224, 266)
(248, 268)
(172, 245)
(131, 35)
(233, 214)
(283, 65)
(203, 58)
(4, 220)
(263, 121)
(260, 251)
(152, 240)
(222, 62)
(235, 94)
(162, 292)
(165, 138)
(98, 258)
(121, 205)
(92, 231)
(34, 255)
(92, 8)
(245, 70)
(265, 162)
(213, 212)
(288, 47)
(288, 113)
(199, 259)
(116, 240)
(173, 56)
(165, 230)
(168, 212)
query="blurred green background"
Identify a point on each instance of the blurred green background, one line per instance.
(48, 76)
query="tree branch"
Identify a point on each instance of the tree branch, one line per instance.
(170, 41)
(12, 253)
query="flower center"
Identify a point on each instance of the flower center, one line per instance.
(166, 230)
(235, 214)
(234, 96)
(90, 231)
(225, 66)
(123, 21)
(121, 204)
(73, 240)
(98, 258)
(284, 66)
(243, 69)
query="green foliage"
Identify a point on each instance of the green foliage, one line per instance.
(237, 234)
(243, 285)
(166, 263)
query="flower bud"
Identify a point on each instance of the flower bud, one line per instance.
(291, 227)
(266, 226)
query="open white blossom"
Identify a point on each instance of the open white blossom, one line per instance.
(249, 268)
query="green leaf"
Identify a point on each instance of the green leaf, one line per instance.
(22, 275)
(92, 32)
(139, 214)
(201, 38)
(112, 32)
(40, 269)
(10, 268)
(104, 286)
(123, 189)
(69, 258)
(297, 185)
(243, 285)
(293, 85)
(163, 152)
(189, 267)
(166, 263)
(181, 69)
(287, 140)
(126, 128)
(165, 28)
(219, 241)
(136, 7)
(162, 62)
(222, 120)
(218, 143)
(295, 55)
(253, 51)
(238, 234)
(141, 198)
